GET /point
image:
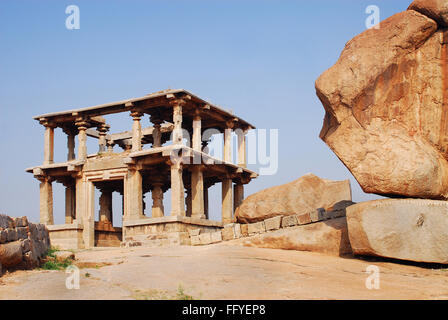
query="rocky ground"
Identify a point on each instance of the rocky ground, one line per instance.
(225, 271)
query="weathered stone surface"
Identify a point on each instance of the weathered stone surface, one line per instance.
(11, 235)
(3, 236)
(434, 9)
(317, 215)
(215, 236)
(11, 254)
(21, 221)
(195, 241)
(22, 232)
(289, 221)
(6, 222)
(329, 237)
(257, 227)
(205, 238)
(273, 223)
(300, 196)
(406, 229)
(231, 231)
(194, 232)
(385, 115)
(303, 218)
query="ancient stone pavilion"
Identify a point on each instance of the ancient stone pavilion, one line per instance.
(168, 163)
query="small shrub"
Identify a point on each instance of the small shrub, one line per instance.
(181, 294)
(51, 263)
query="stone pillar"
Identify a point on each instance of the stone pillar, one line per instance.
(102, 142)
(227, 203)
(188, 201)
(157, 132)
(206, 212)
(48, 142)
(177, 120)
(88, 221)
(157, 200)
(46, 201)
(136, 131)
(197, 192)
(238, 195)
(177, 190)
(228, 142)
(197, 139)
(134, 195)
(110, 146)
(70, 203)
(82, 139)
(71, 133)
(106, 206)
(241, 134)
(80, 206)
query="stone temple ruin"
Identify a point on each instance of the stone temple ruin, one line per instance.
(188, 170)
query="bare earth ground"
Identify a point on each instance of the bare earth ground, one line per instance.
(224, 271)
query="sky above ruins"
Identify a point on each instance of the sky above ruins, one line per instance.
(257, 58)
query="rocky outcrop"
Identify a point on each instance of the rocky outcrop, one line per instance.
(329, 237)
(405, 229)
(301, 196)
(434, 9)
(386, 117)
(22, 244)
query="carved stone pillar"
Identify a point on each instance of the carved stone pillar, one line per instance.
(134, 195)
(46, 201)
(197, 139)
(70, 202)
(157, 200)
(136, 131)
(238, 195)
(177, 120)
(48, 142)
(197, 192)
(242, 158)
(206, 209)
(71, 133)
(228, 142)
(106, 206)
(227, 203)
(82, 139)
(157, 132)
(177, 190)
(102, 142)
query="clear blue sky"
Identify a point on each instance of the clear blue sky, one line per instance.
(258, 58)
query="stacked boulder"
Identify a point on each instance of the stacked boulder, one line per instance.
(22, 244)
(386, 103)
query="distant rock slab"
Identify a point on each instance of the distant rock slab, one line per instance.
(328, 237)
(301, 196)
(405, 229)
(386, 118)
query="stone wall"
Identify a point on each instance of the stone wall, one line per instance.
(22, 244)
(236, 231)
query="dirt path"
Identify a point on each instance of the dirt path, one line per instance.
(224, 271)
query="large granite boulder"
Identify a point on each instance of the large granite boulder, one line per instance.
(329, 237)
(434, 9)
(386, 114)
(405, 229)
(298, 197)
